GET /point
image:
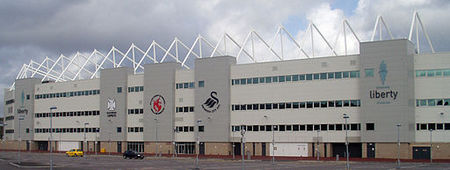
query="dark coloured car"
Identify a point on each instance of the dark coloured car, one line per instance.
(132, 154)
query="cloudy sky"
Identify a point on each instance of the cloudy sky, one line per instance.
(36, 29)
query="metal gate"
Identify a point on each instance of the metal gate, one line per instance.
(421, 152)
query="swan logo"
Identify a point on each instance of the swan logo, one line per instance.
(212, 103)
(111, 105)
(157, 104)
(383, 72)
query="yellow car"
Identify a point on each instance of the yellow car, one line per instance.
(75, 152)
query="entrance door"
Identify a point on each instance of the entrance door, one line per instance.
(263, 146)
(119, 147)
(421, 152)
(202, 148)
(28, 145)
(370, 150)
(237, 148)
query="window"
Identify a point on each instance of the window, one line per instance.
(316, 76)
(370, 126)
(368, 72)
(330, 75)
(119, 129)
(201, 128)
(119, 89)
(201, 83)
(309, 77)
(28, 97)
(294, 77)
(338, 126)
(331, 127)
(309, 127)
(338, 75)
(323, 76)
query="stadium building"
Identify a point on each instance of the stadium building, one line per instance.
(388, 93)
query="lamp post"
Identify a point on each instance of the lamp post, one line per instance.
(175, 130)
(273, 144)
(232, 141)
(51, 136)
(242, 145)
(198, 143)
(85, 142)
(431, 146)
(318, 145)
(156, 134)
(346, 141)
(398, 145)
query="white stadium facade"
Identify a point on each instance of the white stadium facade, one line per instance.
(163, 101)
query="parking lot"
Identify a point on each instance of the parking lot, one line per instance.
(117, 162)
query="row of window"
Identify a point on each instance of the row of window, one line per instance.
(69, 114)
(307, 127)
(300, 77)
(433, 126)
(185, 128)
(135, 89)
(9, 102)
(67, 130)
(135, 111)
(433, 73)
(432, 102)
(185, 109)
(296, 105)
(67, 94)
(135, 129)
(186, 85)
(9, 131)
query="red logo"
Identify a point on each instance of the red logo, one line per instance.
(157, 104)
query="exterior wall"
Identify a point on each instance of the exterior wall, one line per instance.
(163, 147)
(185, 97)
(135, 100)
(215, 117)
(110, 81)
(67, 104)
(218, 148)
(8, 111)
(397, 107)
(24, 93)
(159, 79)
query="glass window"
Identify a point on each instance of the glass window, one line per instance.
(255, 80)
(262, 106)
(431, 126)
(354, 74)
(268, 79)
(141, 88)
(201, 128)
(295, 127)
(316, 104)
(243, 81)
(275, 79)
(282, 105)
(338, 126)
(268, 106)
(338, 103)
(261, 80)
(201, 83)
(369, 72)
(302, 127)
(236, 81)
(353, 103)
(423, 102)
(309, 127)
(323, 76)
(438, 72)
(345, 74)
(370, 126)
(330, 75)
(330, 103)
(338, 75)
(431, 102)
(294, 77)
(331, 127)
(309, 104)
(324, 127)
(439, 102)
(302, 104)
(249, 81)
(288, 78)
(282, 128)
(255, 107)
(262, 128)
(191, 85)
(275, 105)
(119, 90)
(288, 105)
(323, 104)
(301, 77)
(295, 105)
(316, 76)
(430, 73)
(446, 102)
(136, 89)
(346, 103)
(446, 72)
(309, 77)
(268, 127)
(282, 79)
(119, 129)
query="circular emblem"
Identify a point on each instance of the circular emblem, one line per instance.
(157, 104)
